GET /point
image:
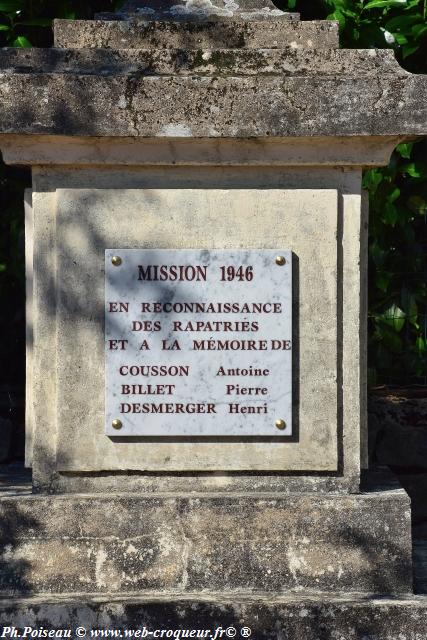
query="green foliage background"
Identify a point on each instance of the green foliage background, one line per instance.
(398, 193)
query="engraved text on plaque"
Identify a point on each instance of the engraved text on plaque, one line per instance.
(198, 342)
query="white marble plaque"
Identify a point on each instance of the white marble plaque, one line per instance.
(198, 343)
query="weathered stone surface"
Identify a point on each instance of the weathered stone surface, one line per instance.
(175, 106)
(196, 10)
(252, 212)
(70, 445)
(57, 151)
(221, 62)
(212, 543)
(230, 34)
(227, 483)
(268, 617)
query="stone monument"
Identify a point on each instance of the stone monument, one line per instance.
(196, 242)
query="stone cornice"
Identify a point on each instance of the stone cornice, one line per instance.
(215, 107)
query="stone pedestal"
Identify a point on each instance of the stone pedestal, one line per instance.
(204, 127)
(175, 543)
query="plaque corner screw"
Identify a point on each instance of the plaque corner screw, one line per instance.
(280, 260)
(117, 424)
(280, 424)
(116, 261)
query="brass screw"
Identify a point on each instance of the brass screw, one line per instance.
(280, 424)
(280, 260)
(116, 260)
(117, 424)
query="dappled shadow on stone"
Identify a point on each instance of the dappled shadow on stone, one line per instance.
(13, 569)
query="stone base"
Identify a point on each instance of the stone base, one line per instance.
(294, 567)
(206, 543)
(304, 617)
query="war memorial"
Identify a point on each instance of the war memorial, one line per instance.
(196, 239)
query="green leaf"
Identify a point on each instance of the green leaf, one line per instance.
(3, 268)
(337, 15)
(382, 4)
(349, 14)
(402, 23)
(372, 179)
(417, 204)
(389, 215)
(421, 344)
(394, 317)
(409, 50)
(4, 27)
(415, 170)
(411, 308)
(393, 195)
(405, 149)
(382, 281)
(419, 30)
(400, 38)
(22, 41)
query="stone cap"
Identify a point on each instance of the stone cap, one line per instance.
(203, 10)
(213, 94)
(227, 34)
(222, 79)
